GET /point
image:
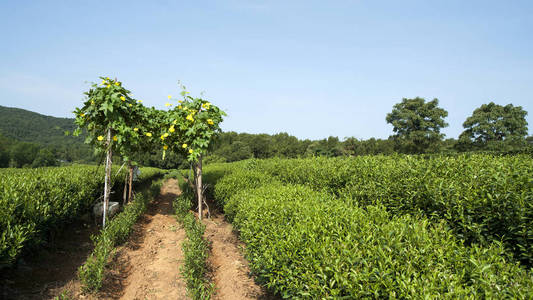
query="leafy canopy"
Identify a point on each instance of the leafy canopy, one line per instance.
(492, 122)
(110, 106)
(188, 128)
(417, 124)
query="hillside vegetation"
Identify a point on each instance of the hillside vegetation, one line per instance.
(31, 139)
(27, 126)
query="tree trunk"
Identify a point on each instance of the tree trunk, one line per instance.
(107, 183)
(199, 186)
(131, 181)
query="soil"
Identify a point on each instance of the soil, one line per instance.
(229, 270)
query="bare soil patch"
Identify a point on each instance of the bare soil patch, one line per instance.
(229, 268)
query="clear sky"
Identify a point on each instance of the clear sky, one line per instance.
(309, 68)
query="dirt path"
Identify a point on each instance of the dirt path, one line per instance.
(147, 267)
(230, 271)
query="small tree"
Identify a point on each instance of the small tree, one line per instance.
(141, 139)
(493, 124)
(417, 125)
(108, 114)
(189, 128)
(116, 122)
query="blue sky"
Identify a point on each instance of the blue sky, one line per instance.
(309, 68)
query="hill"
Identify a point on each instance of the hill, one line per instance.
(26, 136)
(31, 139)
(27, 126)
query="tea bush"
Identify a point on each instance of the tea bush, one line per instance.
(307, 244)
(378, 229)
(34, 202)
(195, 248)
(482, 197)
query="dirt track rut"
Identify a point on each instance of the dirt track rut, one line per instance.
(147, 267)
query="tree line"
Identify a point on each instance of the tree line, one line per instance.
(416, 123)
(417, 126)
(18, 154)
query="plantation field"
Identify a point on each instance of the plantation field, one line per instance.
(34, 202)
(384, 226)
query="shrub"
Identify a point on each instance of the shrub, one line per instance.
(34, 202)
(483, 198)
(195, 248)
(307, 244)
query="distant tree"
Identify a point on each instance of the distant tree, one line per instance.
(313, 149)
(4, 151)
(353, 147)
(329, 147)
(302, 147)
(350, 146)
(260, 145)
(333, 146)
(386, 146)
(236, 151)
(449, 145)
(44, 158)
(4, 158)
(285, 145)
(374, 146)
(417, 125)
(495, 126)
(23, 154)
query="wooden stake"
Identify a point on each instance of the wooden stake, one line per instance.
(199, 186)
(131, 181)
(107, 183)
